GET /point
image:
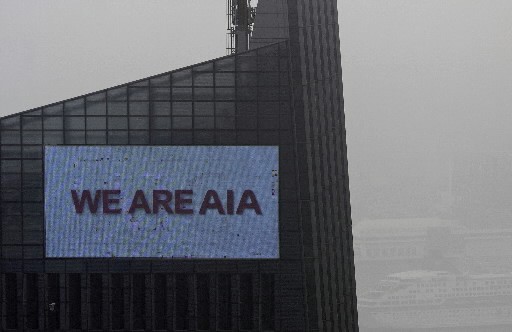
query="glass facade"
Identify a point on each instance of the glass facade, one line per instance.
(286, 93)
(236, 100)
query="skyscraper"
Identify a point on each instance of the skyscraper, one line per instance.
(285, 91)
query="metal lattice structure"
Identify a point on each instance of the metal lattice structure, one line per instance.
(240, 15)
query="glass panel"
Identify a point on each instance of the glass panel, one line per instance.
(204, 67)
(50, 123)
(12, 123)
(268, 79)
(74, 107)
(182, 78)
(163, 80)
(117, 108)
(268, 64)
(268, 123)
(32, 166)
(245, 109)
(204, 123)
(139, 137)
(96, 123)
(33, 195)
(139, 123)
(182, 108)
(161, 108)
(31, 122)
(10, 137)
(32, 180)
(269, 137)
(118, 123)
(225, 122)
(10, 195)
(182, 122)
(272, 50)
(140, 83)
(225, 93)
(161, 137)
(96, 104)
(11, 166)
(182, 138)
(203, 94)
(74, 137)
(226, 137)
(204, 137)
(96, 137)
(204, 109)
(117, 94)
(268, 109)
(139, 108)
(225, 109)
(11, 180)
(182, 94)
(118, 137)
(203, 79)
(247, 137)
(138, 93)
(224, 79)
(74, 123)
(247, 123)
(32, 137)
(227, 64)
(160, 93)
(53, 137)
(247, 93)
(247, 63)
(11, 151)
(265, 93)
(247, 79)
(55, 110)
(161, 123)
(32, 151)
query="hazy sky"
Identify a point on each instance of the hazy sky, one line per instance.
(423, 80)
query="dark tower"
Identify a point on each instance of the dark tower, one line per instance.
(312, 31)
(285, 91)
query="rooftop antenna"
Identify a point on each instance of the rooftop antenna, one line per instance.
(240, 15)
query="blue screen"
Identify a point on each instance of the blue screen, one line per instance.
(162, 201)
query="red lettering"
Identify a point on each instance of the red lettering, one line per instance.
(107, 200)
(164, 202)
(243, 205)
(231, 202)
(86, 197)
(179, 202)
(217, 204)
(139, 195)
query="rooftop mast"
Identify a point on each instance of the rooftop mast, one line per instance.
(240, 15)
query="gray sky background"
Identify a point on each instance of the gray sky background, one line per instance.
(425, 81)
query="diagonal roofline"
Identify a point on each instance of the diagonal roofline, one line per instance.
(139, 80)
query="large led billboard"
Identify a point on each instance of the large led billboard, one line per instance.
(162, 201)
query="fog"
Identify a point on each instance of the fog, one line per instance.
(428, 101)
